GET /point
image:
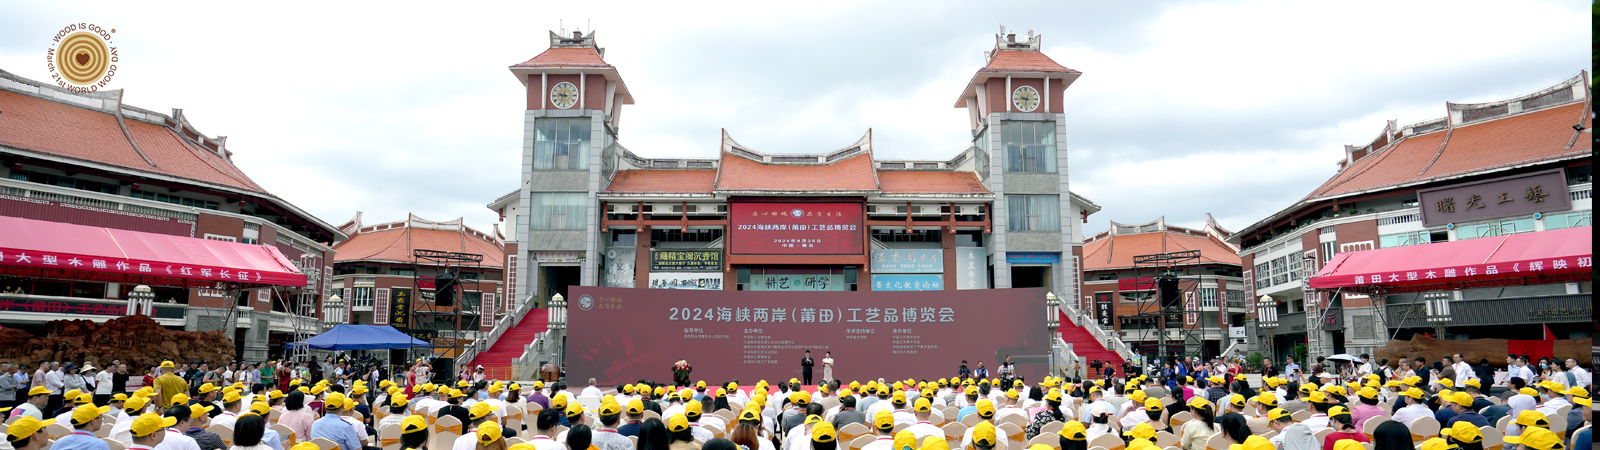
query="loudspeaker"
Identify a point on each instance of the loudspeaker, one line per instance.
(1167, 286)
(443, 368)
(444, 290)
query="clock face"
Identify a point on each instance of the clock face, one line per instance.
(564, 95)
(1025, 98)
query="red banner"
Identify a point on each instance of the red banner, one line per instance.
(623, 335)
(796, 229)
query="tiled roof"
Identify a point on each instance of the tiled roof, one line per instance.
(1117, 251)
(396, 244)
(663, 181)
(913, 182)
(1520, 139)
(1023, 61)
(566, 57)
(850, 174)
(38, 125)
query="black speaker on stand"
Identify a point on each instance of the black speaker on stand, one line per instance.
(443, 369)
(1167, 287)
(444, 290)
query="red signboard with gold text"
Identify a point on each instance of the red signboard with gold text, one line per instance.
(796, 229)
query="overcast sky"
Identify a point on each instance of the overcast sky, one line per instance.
(1184, 108)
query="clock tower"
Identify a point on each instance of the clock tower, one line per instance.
(1014, 107)
(574, 108)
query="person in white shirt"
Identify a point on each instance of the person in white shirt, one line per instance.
(1133, 412)
(147, 432)
(1416, 407)
(1463, 370)
(924, 427)
(1577, 373)
(898, 409)
(1318, 404)
(230, 410)
(481, 413)
(121, 431)
(175, 439)
(591, 390)
(1012, 407)
(883, 430)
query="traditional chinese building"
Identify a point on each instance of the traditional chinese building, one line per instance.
(138, 175)
(992, 212)
(383, 282)
(1122, 292)
(1520, 165)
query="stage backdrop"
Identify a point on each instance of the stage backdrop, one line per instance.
(624, 335)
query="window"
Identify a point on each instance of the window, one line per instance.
(1208, 298)
(561, 144)
(981, 162)
(901, 236)
(64, 181)
(1405, 239)
(1491, 229)
(693, 235)
(1295, 261)
(403, 272)
(1328, 250)
(558, 210)
(1569, 220)
(1033, 212)
(361, 297)
(173, 199)
(1263, 275)
(252, 233)
(1030, 145)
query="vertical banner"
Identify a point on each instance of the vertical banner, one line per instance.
(1103, 312)
(400, 308)
(619, 262)
(972, 268)
(1190, 305)
(755, 335)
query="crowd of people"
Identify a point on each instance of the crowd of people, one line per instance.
(177, 409)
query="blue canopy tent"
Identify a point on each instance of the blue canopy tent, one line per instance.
(363, 337)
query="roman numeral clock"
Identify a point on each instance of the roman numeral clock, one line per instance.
(564, 95)
(1025, 98)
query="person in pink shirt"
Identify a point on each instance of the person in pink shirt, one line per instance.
(1188, 388)
(1368, 407)
(297, 415)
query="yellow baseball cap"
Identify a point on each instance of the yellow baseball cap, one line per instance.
(1585, 401)
(1142, 431)
(883, 420)
(168, 365)
(180, 399)
(1531, 418)
(1267, 399)
(899, 398)
(275, 394)
(143, 425)
(691, 408)
(1053, 396)
(983, 434)
(397, 400)
(1317, 397)
(749, 414)
(1431, 444)
(934, 444)
(1338, 410)
(1199, 402)
(1528, 391)
(85, 413)
(559, 402)
(677, 423)
(1277, 413)
(1074, 430)
(905, 439)
(1141, 444)
(922, 405)
(207, 388)
(1446, 382)
(1347, 444)
(1463, 431)
(230, 397)
(823, 432)
(1474, 383)
(1462, 398)
(1367, 392)
(488, 432)
(985, 408)
(610, 408)
(1135, 396)
(574, 410)
(135, 404)
(1236, 400)
(200, 409)
(1151, 404)
(413, 423)
(635, 407)
(479, 410)
(261, 409)
(334, 400)
(799, 398)
(1537, 439)
(1012, 394)
(1414, 393)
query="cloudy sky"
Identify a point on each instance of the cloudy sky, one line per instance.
(1184, 108)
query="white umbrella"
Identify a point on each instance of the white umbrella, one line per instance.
(1345, 357)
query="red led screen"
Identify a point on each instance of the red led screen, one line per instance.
(796, 229)
(623, 335)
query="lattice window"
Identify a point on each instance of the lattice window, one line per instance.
(489, 299)
(1473, 115)
(380, 310)
(511, 281)
(1556, 97)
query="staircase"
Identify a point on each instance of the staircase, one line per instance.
(497, 359)
(1087, 343)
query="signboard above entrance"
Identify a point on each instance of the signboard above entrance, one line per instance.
(1496, 198)
(908, 261)
(1033, 258)
(688, 260)
(795, 229)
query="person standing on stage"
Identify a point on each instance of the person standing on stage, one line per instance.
(980, 372)
(1008, 371)
(964, 372)
(827, 366)
(805, 367)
